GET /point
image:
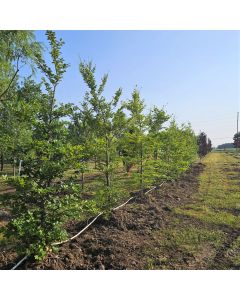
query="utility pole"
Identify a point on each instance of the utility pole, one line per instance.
(237, 131)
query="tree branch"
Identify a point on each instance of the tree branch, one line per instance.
(11, 81)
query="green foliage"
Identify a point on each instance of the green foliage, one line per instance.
(39, 214)
(134, 146)
(177, 150)
(17, 48)
(108, 197)
(16, 119)
(158, 153)
(41, 203)
(101, 119)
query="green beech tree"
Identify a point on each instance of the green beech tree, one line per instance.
(81, 133)
(41, 203)
(17, 49)
(135, 141)
(16, 120)
(177, 151)
(103, 120)
(156, 118)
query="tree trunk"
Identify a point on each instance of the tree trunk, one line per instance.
(20, 167)
(141, 170)
(95, 161)
(107, 162)
(42, 213)
(129, 168)
(155, 154)
(14, 167)
(82, 180)
(2, 161)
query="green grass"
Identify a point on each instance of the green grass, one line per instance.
(233, 252)
(227, 150)
(210, 216)
(7, 170)
(183, 244)
(219, 194)
(94, 179)
(190, 239)
(214, 213)
(1, 237)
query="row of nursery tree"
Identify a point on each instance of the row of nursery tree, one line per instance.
(48, 138)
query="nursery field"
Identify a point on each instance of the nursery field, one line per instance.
(189, 223)
(104, 182)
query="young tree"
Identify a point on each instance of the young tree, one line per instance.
(41, 203)
(17, 48)
(177, 150)
(81, 133)
(209, 145)
(156, 118)
(16, 120)
(202, 144)
(135, 144)
(102, 120)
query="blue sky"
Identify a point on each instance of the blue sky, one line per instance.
(194, 74)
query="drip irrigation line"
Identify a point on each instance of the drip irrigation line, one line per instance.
(123, 204)
(80, 232)
(86, 227)
(19, 263)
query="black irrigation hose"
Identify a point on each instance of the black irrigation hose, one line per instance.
(85, 228)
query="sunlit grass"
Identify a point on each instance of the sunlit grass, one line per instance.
(195, 241)
(218, 195)
(182, 244)
(233, 252)
(210, 216)
(189, 239)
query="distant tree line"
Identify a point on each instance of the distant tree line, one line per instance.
(225, 146)
(235, 144)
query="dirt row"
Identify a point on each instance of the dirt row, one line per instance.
(119, 242)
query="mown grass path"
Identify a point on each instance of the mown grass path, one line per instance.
(218, 198)
(206, 231)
